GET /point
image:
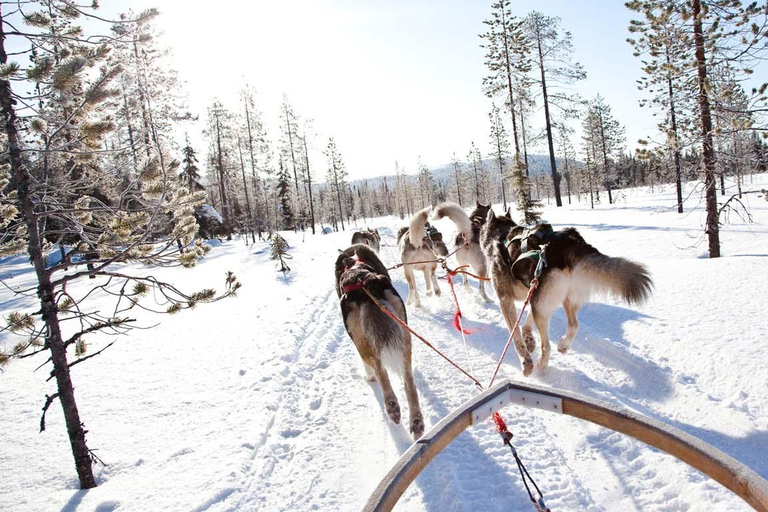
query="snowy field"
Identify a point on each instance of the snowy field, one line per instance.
(260, 403)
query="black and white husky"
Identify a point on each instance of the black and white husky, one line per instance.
(379, 339)
(574, 271)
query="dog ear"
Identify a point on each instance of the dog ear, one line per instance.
(491, 216)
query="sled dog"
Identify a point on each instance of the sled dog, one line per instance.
(368, 237)
(574, 271)
(468, 238)
(436, 237)
(415, 245)
(380, 340)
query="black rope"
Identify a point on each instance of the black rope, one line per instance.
(524, 475)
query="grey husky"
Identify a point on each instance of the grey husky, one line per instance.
(379, 339)
(574, 271)
(417, 251)
(468, 238)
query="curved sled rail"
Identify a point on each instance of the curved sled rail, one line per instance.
(726, 470)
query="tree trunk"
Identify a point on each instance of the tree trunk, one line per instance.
(713, 227)
(245, 189)
(54, 342)
(553, 164)
(309, 183)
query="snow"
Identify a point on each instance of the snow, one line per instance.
(260, 403)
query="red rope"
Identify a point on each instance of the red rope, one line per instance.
(456, 316)
(405, 326)
(534, 284)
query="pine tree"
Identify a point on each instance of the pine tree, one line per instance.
(666, 47)
(458, 177)
(284, 194)
(507, 59)
(220, 132)
(427, 185)
(475, 159)
(58, 183)
(500, 146)
(190, 174)
(289, 123)
(336, 176)
(279, 251)
(553, 58)
(610, 140)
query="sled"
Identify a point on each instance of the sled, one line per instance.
(726, 470)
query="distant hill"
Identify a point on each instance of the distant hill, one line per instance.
(537, 164)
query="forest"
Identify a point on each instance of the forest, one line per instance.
(96, 168)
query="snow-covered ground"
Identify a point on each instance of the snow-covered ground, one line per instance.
(260, 403)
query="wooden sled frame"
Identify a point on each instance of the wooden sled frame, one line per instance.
(726, 470)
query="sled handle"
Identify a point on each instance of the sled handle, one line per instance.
(732, 474)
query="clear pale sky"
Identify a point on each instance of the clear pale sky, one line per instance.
(389, 80)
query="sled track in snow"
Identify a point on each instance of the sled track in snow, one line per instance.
(299, 403)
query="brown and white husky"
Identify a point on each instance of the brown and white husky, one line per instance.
(468, 238)
(379, 339)
(574, 271)
(416, 246)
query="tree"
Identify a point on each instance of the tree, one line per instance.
(284, 194)
(426, 185)
(500, 146)
(221, 131)
(190, 174)
(553, 59)
(507, 59)
(279, 251)
(458, 176)
(337, 175)
(666, 46)
(477, 169)
(306, 172)
(56, 184)
(610, 139)
(289, 123)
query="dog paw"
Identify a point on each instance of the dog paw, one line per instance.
(530, 341)
(542, 363)
(437, 291)
(563, 345)
(417, 428)
(527, 366)
(393, 409)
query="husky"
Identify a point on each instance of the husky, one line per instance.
(380, 340)
(436, 238)
(574, 270)
(415, 245)
(368, 237)
(468, 238)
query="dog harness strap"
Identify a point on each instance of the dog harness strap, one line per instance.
(353, 287)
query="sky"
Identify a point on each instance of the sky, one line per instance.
(260, 403)
(389, 81)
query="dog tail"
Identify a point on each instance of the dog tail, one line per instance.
(457, 214)
(617, 276)
(417, 228)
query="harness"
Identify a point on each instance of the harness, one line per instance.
(532, 239)
(532, 244)
(353, 287)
